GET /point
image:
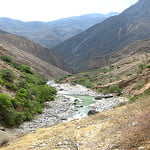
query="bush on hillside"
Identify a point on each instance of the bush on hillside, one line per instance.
(114, 89)
(7, 111)
(6, 58)
(7, 75)
(31, 92)
(83, 82)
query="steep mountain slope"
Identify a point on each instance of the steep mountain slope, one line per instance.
(107, 36)
(51, 33)
(43, 61)
(137, 47)
(128, 68)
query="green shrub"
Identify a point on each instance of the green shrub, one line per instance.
(26, 69)
(1, 81)
(83, 82)
(32, 78)
(114, 89)
(7, 75)
(46, 93)
(16, 65)
(11, 86)
(19, 117)
(146, 92)
(104, 91)
(6, 58)
(140, 84)
(133, 99)
(128, 74)
(147, 66)
(7, 111)
(142, 66)
(31, 92)
(22, 84)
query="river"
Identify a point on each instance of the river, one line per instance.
(71, 102)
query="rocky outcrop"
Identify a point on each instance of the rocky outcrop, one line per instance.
(92, 112)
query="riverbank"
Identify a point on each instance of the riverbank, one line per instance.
(122, 128)
(68, 105)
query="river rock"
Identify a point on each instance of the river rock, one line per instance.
(104, 96)
(79, 106)
(108, 96)
(98, 97)
(2, 128)
(92, 112)
(4, 138)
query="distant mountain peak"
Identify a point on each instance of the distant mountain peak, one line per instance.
(108, 36)
(51, 33)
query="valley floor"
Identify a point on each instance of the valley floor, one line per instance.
(123, 128)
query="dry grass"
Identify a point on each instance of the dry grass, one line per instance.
(122, 128)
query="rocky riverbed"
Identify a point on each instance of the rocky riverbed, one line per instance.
(68, 107)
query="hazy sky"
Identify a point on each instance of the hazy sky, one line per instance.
(46, 10)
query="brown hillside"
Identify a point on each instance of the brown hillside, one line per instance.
(36, 50)
(122, 68)
(21, 49)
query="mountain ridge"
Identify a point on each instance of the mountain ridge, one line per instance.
(54, 32)
(110, 35)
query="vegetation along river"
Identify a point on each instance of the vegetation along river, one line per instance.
(71, 102)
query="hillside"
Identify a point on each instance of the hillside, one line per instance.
(44, 61)
(106, 37)
(123, 128)
(52, 33)
(127, 68)
(22, 94)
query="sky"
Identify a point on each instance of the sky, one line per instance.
(48, 10)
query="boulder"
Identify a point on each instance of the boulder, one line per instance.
(108, 96)
(98, 97)
(92, 112)
(79, 106)
(4, 138)
(104, 96)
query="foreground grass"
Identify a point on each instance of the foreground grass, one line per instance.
(126, 127)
